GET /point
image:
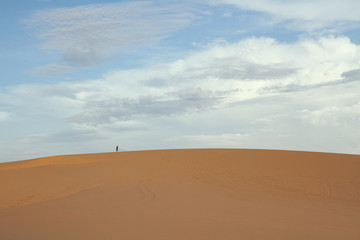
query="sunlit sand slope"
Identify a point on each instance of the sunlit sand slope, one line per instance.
(182, 194)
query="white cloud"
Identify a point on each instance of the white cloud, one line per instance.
(215, 42)
(309, 14)
(71, 136)
(4, 115)
(255, 93)
(212, 140)
(334, 116)
(327, 10)
(87, 35)
(214, 77)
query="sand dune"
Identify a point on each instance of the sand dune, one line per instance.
(182, 194)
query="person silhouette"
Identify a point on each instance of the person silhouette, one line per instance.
(117, 148)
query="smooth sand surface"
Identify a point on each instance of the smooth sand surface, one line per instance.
(182, 194)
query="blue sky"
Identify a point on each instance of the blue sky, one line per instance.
(85, 76)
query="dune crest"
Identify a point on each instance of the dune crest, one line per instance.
(182, 194)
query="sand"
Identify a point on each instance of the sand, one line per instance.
(182, 194)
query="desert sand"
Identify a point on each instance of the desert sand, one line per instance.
(182, 194)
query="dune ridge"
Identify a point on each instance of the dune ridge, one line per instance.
(182, 194)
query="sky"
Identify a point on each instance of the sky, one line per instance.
(83, 76)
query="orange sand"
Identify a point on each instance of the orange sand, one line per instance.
(182, 194)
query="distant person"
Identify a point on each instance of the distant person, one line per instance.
(117, 148)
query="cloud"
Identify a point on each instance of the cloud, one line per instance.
(212, 140)
(310, 15)
(328, 10)
(353, 75)
(347, 77)
(211, 78)
(220, 77)
(4, 116)
(334, 115)
(169, 104)
(254, 93)
(87, 35)
(61, 137)
(53, 69)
